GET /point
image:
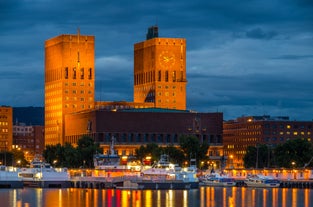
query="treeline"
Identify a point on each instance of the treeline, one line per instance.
(82, 155)
(72, 157)
(294, 153)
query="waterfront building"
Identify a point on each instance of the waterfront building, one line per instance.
(69, 81)
(247, 131)
(6, 126)
(157, 114)
(135, 127)
(29, 139)
(160, 71)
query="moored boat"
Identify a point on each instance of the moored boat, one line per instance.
(217, 179)
(262, 181)
(112, 165)
(42, 174)
(9, 177)
(166, 175)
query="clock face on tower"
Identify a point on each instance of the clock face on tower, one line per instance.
(167, 59)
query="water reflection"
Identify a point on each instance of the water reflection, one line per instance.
(204, 196)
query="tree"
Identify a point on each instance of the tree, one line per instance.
(299, 151)
(150, 149)
(175, 154)
(70, 156)
(193, 149)
(256, 156)
(86, 148)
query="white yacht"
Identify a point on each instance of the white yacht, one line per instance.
(262, 181)
(42, 174)
(9, 177)
(217, 179)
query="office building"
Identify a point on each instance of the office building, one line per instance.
(247, 131)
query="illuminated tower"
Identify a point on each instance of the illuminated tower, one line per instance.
(69, 81)
(160, 71)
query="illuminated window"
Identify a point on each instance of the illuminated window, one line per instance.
(66, 73)
(174, 76)
(288, 126)
(295, 133)
(74, 73)
(82, 73)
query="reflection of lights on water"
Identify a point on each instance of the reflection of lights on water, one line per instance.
(306, 197)
(148, 198)
(169, 198)
(185, 198)
(159, 198)
(275, 196)
(265, 194)
(294, 197)
(230, 201)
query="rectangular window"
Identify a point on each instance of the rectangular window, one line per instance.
(159, 75)
(74, 73)
(90, 73)
(166, 76)
(174, 76)
(66, 73)
(82, 73)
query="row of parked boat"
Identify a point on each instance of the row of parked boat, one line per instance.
(220, 179)
(162, 174)
(109, 172)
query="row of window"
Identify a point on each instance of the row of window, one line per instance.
(145, 138)
(148, 77)
(75, 84)
(74, 73)
(3, 123)
(288, 126)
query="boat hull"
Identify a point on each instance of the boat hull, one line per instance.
(11, 184)
(47, 184)
(262, 185)
(218, 184)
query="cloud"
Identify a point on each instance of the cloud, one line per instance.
(258, 33)
(243, 57)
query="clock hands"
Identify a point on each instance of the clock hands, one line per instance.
(167, 59)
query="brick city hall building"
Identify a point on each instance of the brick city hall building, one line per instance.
(157, 114)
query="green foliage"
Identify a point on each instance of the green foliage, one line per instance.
(176, 155)
(257, 157)
(13, 158)
(86, 149)
(192, 148)
(68, 156)
(150, 149)
(299, 151)
(19, 158)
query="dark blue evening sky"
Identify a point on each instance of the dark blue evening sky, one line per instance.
(244, 57)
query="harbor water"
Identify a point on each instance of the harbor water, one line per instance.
(202, 197)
